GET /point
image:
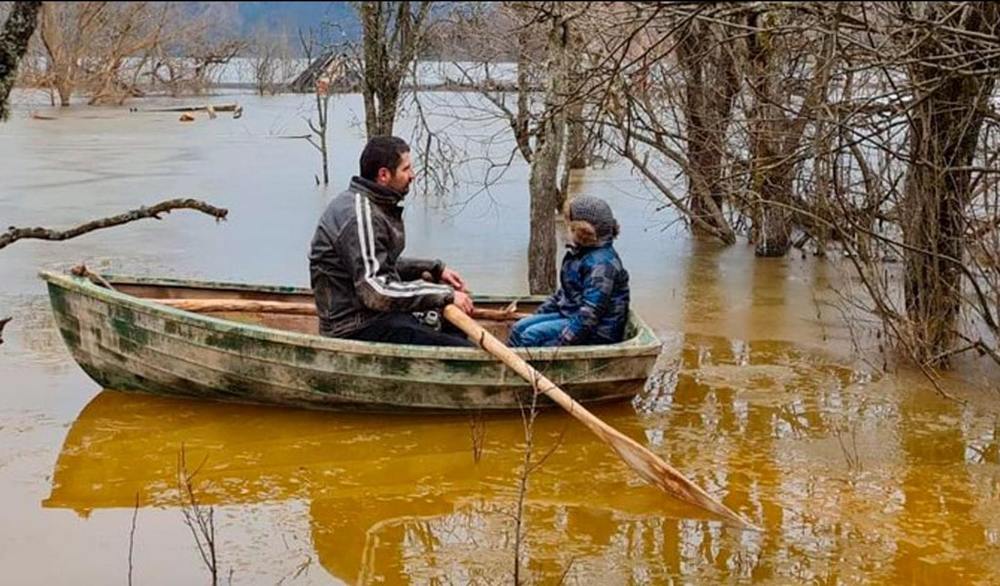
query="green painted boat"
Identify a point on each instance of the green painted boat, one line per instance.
(126, 338)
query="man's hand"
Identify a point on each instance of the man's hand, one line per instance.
(450, 277)
(463, 302)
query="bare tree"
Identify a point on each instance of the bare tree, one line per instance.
(67, 31)
(269, 56)
(864, 128)
(952, 72)
(393, 35)
(788, 62)
(193, 72)
(321, 93)
(105, 49)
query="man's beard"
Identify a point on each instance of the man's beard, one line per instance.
(405, 190)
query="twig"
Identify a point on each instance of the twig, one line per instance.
(200, 521)
(14, 234)
(565, 574)
(477, 428)
(131, 537)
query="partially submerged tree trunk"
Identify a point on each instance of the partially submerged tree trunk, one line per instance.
(543, 183)
(321, 91)
(67, 31)
(944, 131)
(17, 31)
(711, 83)
(776, 136)
(770, 172)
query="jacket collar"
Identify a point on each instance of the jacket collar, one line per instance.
(375, 192)
(576, 249)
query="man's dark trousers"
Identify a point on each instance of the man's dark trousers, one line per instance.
(403, 328)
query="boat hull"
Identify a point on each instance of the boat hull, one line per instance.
(132, 343)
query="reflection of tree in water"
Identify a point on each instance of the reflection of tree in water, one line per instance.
(469, 540)
(947, 531)
(401, 497)
(740, 410)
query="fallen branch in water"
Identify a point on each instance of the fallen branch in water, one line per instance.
(3, 322)
(203, 107)
(14, 234)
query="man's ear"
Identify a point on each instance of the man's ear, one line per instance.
(383, 176)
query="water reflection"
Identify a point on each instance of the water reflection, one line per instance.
(373, 484)
(949, 508)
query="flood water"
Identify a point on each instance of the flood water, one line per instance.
(856, 476)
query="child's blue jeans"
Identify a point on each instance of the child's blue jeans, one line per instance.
(541, 329)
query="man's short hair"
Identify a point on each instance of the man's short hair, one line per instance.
(382, 151)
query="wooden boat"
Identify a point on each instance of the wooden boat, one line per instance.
(124, 335)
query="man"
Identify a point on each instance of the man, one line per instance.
(364, 289)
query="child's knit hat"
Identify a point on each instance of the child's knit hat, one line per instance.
(597, 212)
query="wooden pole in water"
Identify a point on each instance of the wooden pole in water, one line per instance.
(653, 469)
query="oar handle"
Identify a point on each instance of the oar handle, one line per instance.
(640, 459)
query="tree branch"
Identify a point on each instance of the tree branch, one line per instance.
(14, 234)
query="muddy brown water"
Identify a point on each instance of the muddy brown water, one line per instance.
(856, 476)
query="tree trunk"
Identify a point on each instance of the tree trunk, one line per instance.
(770, 173)
(579, 146)
(543, 183)
(388, 101)
(772, 220)
(544, 197)
(373, 63)
(390, 44)
(707, 111)
(944, 130)
(522, 130)
(371, 117)
(14, 39)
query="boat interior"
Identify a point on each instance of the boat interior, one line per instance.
(290, 310)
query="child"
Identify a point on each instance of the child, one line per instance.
(591, 305)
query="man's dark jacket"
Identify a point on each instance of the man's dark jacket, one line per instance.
(355, 265)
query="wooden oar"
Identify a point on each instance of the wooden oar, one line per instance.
(646, 463)
(239, 305)
(293, 307)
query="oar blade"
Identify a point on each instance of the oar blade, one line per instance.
(662, 475)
